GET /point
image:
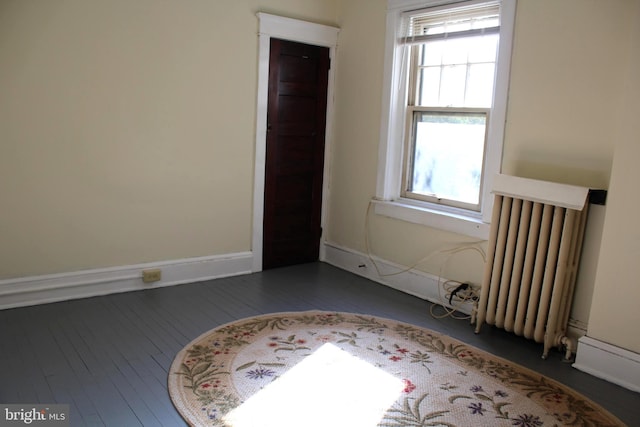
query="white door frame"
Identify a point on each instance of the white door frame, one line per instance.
(303, 32)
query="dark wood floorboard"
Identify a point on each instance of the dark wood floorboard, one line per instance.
(108, 357)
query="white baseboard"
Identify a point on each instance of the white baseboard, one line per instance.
(34, 290)
(614, 364)
(414, 282)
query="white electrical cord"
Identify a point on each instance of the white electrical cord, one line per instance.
(450, 310)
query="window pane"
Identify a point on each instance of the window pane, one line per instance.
(456, 51)
(480, 85)
(452, 85)
(429, 88)
(483, 49)
(448, 154)
(432, 53)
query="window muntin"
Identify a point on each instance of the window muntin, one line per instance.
(452, 71)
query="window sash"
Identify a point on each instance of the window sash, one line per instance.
(415, 82)
(410, 150)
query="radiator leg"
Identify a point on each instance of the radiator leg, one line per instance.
(474, 312)
(561, 341)
(548, 343)
(568, 346)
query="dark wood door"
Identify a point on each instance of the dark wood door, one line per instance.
(296, 119)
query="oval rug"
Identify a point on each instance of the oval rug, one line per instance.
(328, 369)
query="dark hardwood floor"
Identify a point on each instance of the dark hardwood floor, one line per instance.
(108, 357)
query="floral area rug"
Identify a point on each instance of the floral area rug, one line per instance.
(328, 369)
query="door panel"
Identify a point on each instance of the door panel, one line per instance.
(296, 121)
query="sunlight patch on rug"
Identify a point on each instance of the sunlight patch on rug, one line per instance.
(328, 388)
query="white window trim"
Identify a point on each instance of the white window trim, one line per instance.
(388, 201)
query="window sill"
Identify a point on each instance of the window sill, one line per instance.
(453, 220)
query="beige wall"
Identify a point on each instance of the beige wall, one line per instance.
(127, 132)
(561, 77)
(127, 129)
(569, 70)
(614, 315)
(569, 60)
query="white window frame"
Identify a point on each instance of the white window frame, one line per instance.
(388, 200)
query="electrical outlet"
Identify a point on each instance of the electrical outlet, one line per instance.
(152, 275)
